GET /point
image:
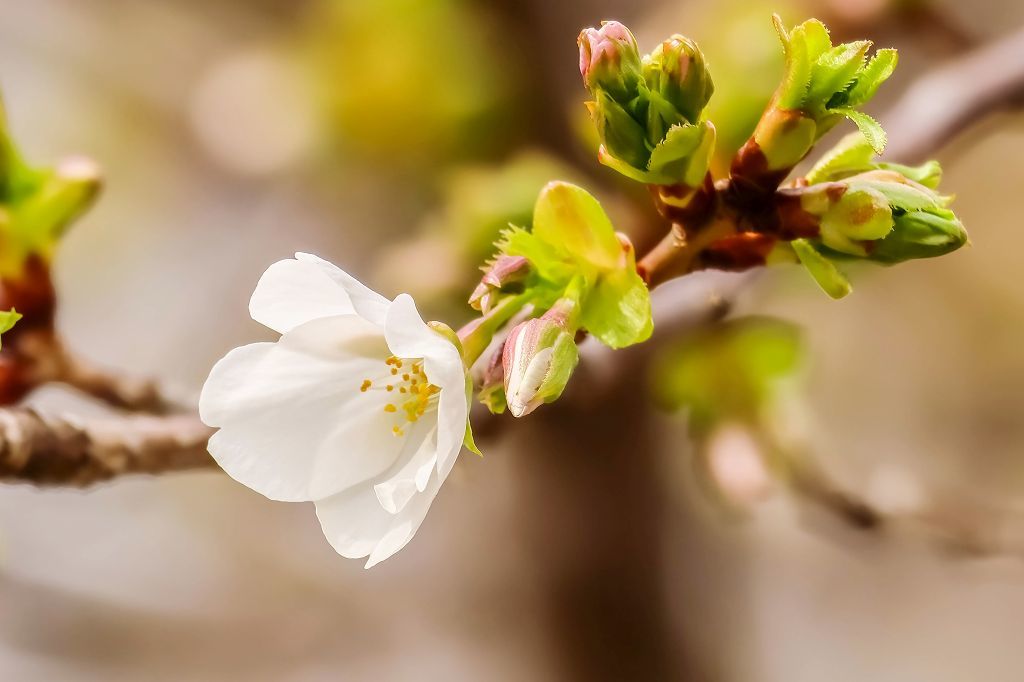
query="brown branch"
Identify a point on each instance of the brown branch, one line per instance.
(124, 392)
(37, 357)
(53, 451)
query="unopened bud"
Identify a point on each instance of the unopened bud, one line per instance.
(676, 71)
(60, 197)
(921, 234)
(538, 359)
(848, 215)
(500, 277)
(609, 59)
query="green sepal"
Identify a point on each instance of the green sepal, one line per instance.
(683, 156)
(565, 355)
(469, 443)
(823, 270)
(620, 133)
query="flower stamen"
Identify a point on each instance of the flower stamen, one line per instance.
(420, 393)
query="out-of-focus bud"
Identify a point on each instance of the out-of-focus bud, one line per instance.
(921, 234)
(676, 71)
(34, 222)
(538, 359)
(501, 276)
(736, 466)
(610, 59)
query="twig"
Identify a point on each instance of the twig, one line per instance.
(54, 451)
(967, 528)
(38, 357)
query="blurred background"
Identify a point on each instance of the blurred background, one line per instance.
(394, 138)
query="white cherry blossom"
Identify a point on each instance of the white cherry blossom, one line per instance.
(359, 407)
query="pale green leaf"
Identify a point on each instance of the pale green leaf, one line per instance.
(869, 127)
(823, 270)
(835, 70)
(618, 309)
(569, 219)
(874, 73)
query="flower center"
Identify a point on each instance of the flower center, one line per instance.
(412, 393)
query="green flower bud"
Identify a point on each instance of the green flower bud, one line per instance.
(539, 357)
(680, 85)
(920, 234)
(647, 113)
(610, 60)
(848, 215)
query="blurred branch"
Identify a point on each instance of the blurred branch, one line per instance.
(982, 82)
(45, 359)
(968, 528)
(58, 451)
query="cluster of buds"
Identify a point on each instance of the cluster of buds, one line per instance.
(858, 208)
(648, 109)
(824, 84)
(570, 273)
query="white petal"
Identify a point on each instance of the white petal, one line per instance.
(357, 526)
(291, 292)
(367, 302)
(409, 336)
(410, 473)
(294, 424)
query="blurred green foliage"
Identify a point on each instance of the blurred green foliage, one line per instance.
(408, 83)
(728, 372)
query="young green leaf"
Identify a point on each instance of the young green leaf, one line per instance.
(824, 271)
(876, 72)
(869, 127)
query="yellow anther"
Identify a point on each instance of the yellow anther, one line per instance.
(366, 385)
(394, 371)
(390, 387)
(390, 408)
(396, 430)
